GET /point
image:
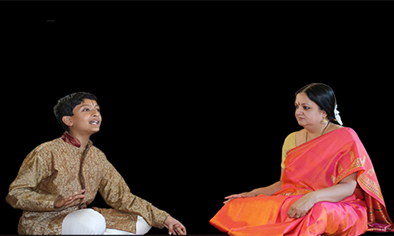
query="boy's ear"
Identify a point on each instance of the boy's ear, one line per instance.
(67, 120)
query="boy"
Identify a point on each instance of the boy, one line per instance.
(60, 178)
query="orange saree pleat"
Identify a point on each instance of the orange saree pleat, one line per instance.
(244, 212)
(317, 164)
(264, 215)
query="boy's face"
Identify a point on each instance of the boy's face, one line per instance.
(86, 119)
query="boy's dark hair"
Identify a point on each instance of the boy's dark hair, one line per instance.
(66, 105)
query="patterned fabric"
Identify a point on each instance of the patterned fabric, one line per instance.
(320, 163)
(345, 155)
(60, 168)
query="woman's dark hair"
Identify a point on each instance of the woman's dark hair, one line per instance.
(323, 96)
(66, 105)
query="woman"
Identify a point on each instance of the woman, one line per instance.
(327, 186)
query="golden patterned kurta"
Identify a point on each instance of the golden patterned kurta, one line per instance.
(53, 169)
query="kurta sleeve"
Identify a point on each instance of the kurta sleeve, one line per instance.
(24, 192)
(116, 193)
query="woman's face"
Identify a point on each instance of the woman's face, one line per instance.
(308, 112)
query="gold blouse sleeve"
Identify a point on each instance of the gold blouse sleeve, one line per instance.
(117, 194)
(287, 146)
(24, 192)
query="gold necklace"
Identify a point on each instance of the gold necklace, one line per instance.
(306, 138)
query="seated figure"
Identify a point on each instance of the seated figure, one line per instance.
(59, 179)
(328, 185)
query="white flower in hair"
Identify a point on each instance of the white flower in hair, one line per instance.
(337, 116)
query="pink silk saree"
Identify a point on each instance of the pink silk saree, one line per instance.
(317, 164)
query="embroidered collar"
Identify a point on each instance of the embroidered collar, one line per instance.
(71, 140)
(68, 138)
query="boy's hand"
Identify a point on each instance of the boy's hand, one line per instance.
(174, 226)
(63, 202)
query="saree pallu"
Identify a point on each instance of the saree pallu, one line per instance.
(320, 163)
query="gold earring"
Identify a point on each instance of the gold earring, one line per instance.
(324, 121)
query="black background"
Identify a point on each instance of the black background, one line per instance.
(196, 105)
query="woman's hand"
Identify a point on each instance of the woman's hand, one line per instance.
(234, 196)
(335, 193)
(174, 226)
(63, 202)
(302, 206)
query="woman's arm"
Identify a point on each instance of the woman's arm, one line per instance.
(336, 193)
(269, 190)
